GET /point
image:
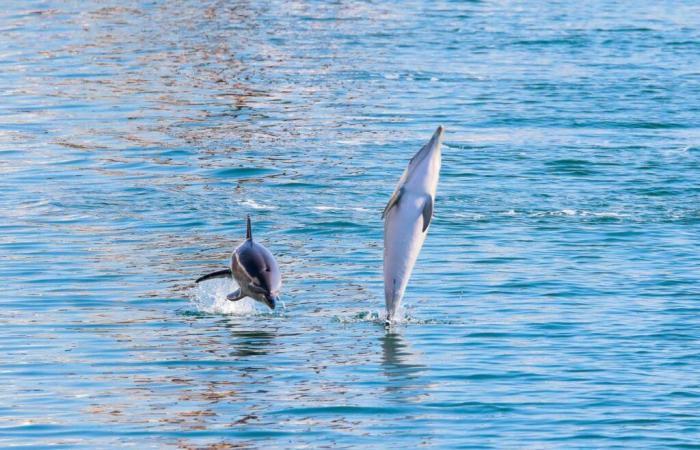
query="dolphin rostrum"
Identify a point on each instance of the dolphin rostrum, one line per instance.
(254, 269)
(406, 220)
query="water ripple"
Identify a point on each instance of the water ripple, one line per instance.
(554, 302)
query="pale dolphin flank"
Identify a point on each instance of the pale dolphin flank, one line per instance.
(406, 220)
(254, 269)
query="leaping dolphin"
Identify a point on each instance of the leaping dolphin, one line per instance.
(406, 220)
(254, 269)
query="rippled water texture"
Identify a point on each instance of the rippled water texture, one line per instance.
(556, 300)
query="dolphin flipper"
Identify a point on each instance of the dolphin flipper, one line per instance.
(226, 273)
(235, 296)
(427, 212)
(394, 200)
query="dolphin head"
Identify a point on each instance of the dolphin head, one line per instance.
(271, 299)
(423, 169)
(263, 294)
(269, 282)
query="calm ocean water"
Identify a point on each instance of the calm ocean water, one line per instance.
(556, 301)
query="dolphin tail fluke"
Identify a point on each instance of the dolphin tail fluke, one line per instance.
(226, 273)
(248, 229)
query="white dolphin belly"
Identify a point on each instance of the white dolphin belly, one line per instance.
(403, 239)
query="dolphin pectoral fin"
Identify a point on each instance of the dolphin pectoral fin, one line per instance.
(235, 296)
(394, 200)
(226, 273)
(427, 212)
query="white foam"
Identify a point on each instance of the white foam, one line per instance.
(577, 213)
(338, 208)
(255, 205)
(604, 214)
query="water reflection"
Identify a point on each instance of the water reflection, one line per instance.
(253, 342)
(213, 374)
(135, 140)
(402, 367)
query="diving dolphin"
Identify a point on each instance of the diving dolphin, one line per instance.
(406, 220)
(254, 269)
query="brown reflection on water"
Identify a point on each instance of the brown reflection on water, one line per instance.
(137, 109)
(189, 379)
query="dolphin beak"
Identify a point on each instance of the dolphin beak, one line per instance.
(437, 137)
(271, 300)
(429, 148)
(435, 141)
(439, 132)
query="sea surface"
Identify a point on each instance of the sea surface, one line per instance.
(555, 304)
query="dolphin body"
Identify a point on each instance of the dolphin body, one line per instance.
(406, 220)
(254, 269)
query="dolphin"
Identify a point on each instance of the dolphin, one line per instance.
(254, 269)
(406, 220)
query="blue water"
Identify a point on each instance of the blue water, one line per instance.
(556, 301)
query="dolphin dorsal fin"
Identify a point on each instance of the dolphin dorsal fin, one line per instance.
(248, 229)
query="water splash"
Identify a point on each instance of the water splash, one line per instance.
(210, 297)
(402, 317)
(374, 316)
